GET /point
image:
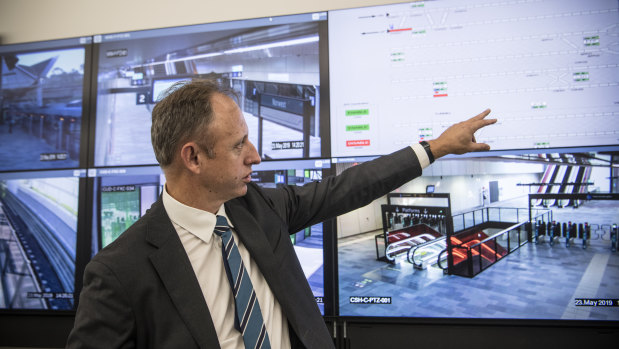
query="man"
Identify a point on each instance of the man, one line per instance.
(164, 283)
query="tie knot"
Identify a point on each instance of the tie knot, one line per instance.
(221, 226)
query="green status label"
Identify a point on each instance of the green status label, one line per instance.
(364, 127)
(356, 112)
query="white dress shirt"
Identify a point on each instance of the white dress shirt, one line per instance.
(195, 229)
(422, 156)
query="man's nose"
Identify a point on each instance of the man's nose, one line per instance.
(253, 157)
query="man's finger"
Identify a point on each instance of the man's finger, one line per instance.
(481, 115)
(480, 147)
(477, 124)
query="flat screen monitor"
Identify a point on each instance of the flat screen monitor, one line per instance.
(394, 260)
(403, 73)
(309, 242)
(273, 63)
(121, 195)
(38, 238)
(42, 89)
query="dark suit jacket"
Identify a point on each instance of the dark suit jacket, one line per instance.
(141, 290)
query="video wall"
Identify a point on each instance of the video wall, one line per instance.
(273, 63)
(41, 93)
(548, 69)
(320, 93)
(38, 238)
(43, 130)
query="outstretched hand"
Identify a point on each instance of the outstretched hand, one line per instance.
(460, 138)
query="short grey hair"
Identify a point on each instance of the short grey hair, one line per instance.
(184, 114)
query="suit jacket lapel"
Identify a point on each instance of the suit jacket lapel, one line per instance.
(178, 277)
(260, 229)
(253, 238)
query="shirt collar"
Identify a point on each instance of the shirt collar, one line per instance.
(198, 222)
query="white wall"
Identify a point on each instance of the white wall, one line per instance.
(600, 176)
(32, 20)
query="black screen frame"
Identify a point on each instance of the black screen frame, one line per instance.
(83, 218)
(319, 17)
(60, 44)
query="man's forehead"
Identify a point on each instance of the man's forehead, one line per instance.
(222, 101)
(227, 115)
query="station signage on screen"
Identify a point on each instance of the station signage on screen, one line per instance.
(273, 63)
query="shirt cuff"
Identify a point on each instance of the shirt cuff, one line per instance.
(424, 161)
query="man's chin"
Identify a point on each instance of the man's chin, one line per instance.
(242, 191)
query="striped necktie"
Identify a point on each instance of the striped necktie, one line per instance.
(248, 319)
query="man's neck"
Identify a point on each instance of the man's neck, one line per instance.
(193, 196)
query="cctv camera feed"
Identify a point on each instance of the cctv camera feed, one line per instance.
(38, 229)
(122, 196)
(457, 242)
(526, 232)
(41, 105)
(308, 243)
(273, 64)
(548, 69)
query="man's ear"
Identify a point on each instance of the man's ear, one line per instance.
(190, 158)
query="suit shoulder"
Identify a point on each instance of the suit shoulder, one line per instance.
(129, 245)
(256, 195)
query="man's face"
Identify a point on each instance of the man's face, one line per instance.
(227, 173)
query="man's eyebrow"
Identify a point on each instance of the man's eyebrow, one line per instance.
(242, 139)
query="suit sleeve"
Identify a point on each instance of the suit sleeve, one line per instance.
(354, 188)
(104, 318)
